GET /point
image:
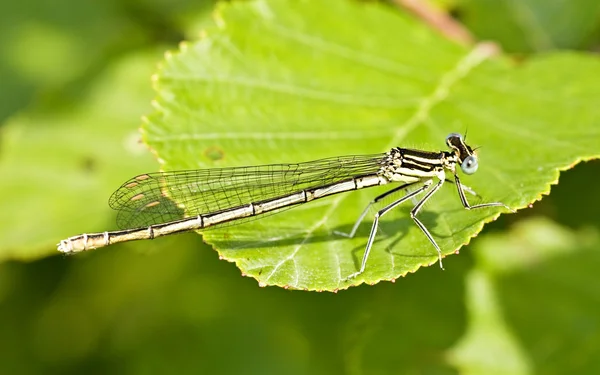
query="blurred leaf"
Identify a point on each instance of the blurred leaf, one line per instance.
(534, 25)
(115, 310)
(540, 290)
(574, 191)
(49, 44)
(53, 50)
(488, 346)
(58, 168)
(532, 242)
(280, 81)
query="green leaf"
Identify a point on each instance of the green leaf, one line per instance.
(534, 25)
(289, 81)
(488, 346)
(533, 302)
(59, 166)
(40, 39)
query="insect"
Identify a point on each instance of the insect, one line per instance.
(158, 204)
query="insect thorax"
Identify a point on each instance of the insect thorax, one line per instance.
(408, 165)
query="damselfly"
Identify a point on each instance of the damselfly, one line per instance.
(157, 204)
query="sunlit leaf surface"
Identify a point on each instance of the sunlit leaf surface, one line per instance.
(279, 81)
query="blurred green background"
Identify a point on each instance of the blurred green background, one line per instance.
(522, 298)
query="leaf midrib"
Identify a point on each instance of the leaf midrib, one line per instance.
(464, 65)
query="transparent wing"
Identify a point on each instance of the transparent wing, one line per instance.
(156, 198)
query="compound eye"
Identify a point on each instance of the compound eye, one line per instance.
(452, 136)
(469, 165)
